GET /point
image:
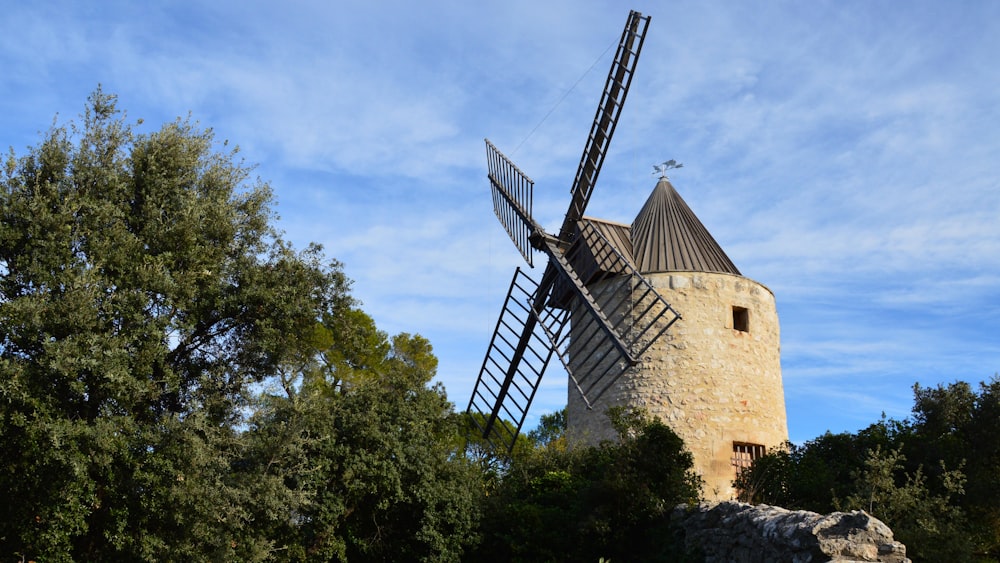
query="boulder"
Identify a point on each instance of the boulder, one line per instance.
(735, 532)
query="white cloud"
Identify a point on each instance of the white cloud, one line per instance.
(844, 156)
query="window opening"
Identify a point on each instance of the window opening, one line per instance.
(741, 319)
(744, 454)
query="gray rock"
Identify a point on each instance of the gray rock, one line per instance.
(742, 533)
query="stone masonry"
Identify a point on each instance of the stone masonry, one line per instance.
(714, 377)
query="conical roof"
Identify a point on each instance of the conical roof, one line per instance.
(668, 237)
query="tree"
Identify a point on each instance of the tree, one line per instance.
(932, 477)
(930, 525)
(551, 431)
(813, 475)
(982, 499)
(580, 504)
(489, 455)
(143, 292)
(377, 455)
(960, 426)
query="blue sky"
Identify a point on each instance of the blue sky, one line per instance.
(845, 154)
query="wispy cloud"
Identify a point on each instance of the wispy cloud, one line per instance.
(844, 154)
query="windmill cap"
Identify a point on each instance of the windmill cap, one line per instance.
(668, 237)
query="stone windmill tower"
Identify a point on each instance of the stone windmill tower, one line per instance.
(715, 376)
(609, 305)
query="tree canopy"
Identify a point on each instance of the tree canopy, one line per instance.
(146, 300)
(932, 477)
(582, 504)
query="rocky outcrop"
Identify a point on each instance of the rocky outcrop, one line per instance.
(733, 532)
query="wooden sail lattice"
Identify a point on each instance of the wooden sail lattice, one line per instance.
(515, 361)
(512, 196)
(598, 335)
(635, 312)
(609, 109)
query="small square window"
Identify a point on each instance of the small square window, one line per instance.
(741, 319)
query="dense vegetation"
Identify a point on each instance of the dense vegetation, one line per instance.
(178, 383)
(934, 477)
(612, 501)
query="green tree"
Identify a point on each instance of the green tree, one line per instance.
(930, 525)
(143, 292)
(551, 430)
(580, 504)
(813, 475)
(932, 477)
(373, 449)
(960, 425)
(489, 455)
(982, 499)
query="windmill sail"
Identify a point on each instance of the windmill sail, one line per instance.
(516, 358)
(630, 309)
(612, 326)
(512, 197)
(608, 110)
(538, 319)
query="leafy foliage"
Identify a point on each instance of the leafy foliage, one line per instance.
(145, 300)
(932, 477)
(930, 524)
(375, 457)
(492, 459)
(609, 501)
(551, 431)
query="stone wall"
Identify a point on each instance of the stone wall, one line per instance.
(711, 383)
(732, 532)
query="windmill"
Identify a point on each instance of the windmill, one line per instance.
(577, 310)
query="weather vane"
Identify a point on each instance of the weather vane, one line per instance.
(662, 168)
